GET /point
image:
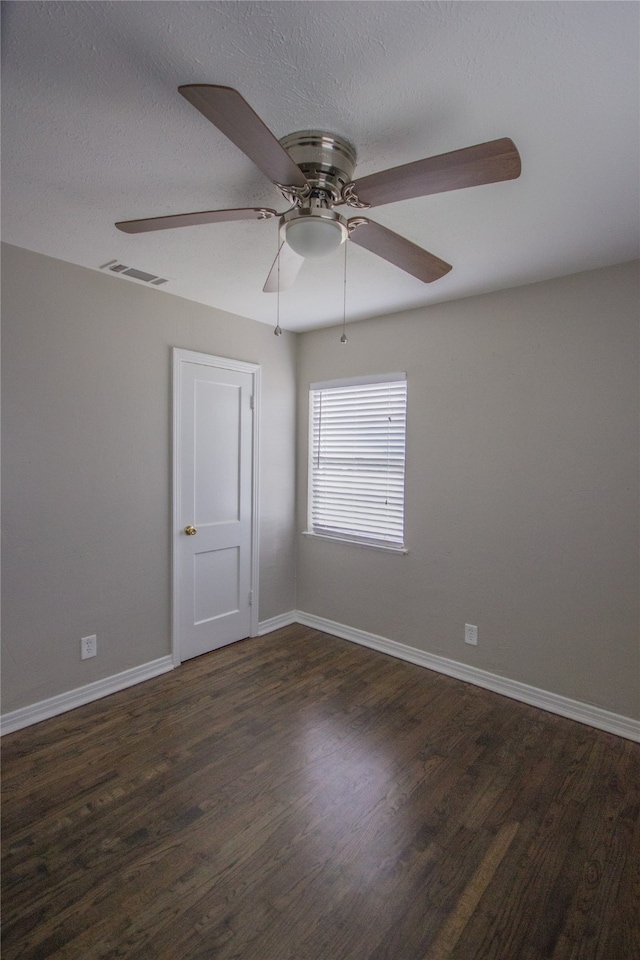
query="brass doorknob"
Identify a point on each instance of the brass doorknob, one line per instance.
(190, 531)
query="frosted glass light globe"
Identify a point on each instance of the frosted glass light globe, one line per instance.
(314, 237)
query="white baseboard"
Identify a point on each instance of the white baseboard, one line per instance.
(52, 707)
(552, 702)
(45, 709)
(543, 699)
(275, 623)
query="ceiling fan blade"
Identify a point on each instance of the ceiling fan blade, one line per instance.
(397, 250)
(290, 263)
(227, 110)
(484, 163)
(194, 219)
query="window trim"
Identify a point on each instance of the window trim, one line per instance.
(343, 537)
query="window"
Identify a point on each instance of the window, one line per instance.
(357, 434)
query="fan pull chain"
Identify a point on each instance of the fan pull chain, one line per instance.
(343, 338)
(278, 329)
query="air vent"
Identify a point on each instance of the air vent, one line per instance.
(116, 267)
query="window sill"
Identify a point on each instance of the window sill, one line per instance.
(355, 543)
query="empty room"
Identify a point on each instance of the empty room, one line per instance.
(363, 684)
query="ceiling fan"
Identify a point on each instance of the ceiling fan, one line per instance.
(313, 170)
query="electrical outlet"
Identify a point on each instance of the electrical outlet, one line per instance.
(88, 647)
(471, 634)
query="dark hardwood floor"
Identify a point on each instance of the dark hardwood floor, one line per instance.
(297, 797)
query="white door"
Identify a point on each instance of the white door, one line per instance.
(215, 498)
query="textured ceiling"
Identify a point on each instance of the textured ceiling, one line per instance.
(94, 131)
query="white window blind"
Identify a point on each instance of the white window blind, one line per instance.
(357, 460)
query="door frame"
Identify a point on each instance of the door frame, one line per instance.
(181, 357)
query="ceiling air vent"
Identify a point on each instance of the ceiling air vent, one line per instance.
(116, 267)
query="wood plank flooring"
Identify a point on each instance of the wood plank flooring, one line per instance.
(297, 797)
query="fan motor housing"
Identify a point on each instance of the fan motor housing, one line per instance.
(327, 160)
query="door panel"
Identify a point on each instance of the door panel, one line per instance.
(217, 581)
(217, 429)
(214, 476)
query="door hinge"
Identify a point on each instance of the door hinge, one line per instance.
(250, 598)
(252, 402)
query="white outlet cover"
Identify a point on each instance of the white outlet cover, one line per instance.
(471, 634)
(88, 647)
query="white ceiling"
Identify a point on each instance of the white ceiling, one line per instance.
(94, 131)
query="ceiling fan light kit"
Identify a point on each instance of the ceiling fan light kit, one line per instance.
(313, 230)
(314, 172)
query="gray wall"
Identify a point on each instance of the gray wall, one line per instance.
(522, 485)
(87, 468)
